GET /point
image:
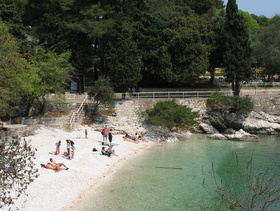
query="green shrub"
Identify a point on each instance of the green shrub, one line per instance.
(170, 114)
(233, 104)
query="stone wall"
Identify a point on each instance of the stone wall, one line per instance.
(133, 107)
(270, 105)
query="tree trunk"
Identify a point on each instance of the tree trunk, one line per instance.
(212, 78)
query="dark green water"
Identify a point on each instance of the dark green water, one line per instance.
(171, 177)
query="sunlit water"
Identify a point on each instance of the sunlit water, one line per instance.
(172, 177)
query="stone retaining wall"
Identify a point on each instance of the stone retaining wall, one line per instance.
(132, 108)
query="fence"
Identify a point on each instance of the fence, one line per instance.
(193, 94)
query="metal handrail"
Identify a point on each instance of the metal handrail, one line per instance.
(194, 94)
(76, 113)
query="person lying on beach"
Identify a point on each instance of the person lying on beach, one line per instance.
(135, 137)
(143, 138)
(54, 166)
(127, 136)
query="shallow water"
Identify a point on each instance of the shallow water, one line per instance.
(171, 177)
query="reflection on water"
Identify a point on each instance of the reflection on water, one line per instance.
(171, 177)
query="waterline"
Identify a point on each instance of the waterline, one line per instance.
(171, 177)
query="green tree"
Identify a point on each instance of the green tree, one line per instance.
(262, 20)
(217, 18)
(237, 48)
(188, 40)
(122, 58)
(153, 19)
(17, 168)
(53, 72)
(11, 13)
(230, 104)
(102, 92)
(169, 114)
(201, 6)
(17, 76)
(252, 25)
(266, 49)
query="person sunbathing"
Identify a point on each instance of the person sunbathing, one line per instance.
(111, 151)
(54, 166)
(103, 151)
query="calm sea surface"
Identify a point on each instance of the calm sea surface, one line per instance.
(172, 177)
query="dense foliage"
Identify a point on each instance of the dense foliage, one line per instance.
(170, 114)
(230, 104)
(266, 51)
(132, 43)
(102, 93)
(17, 168)
(237, 48)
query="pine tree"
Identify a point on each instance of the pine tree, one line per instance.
(237, 47)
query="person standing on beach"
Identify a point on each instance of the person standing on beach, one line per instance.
(110, 135)
(86, 133)
(105, 132)
(68, 143)
(72, 149)
(162, 139)
(57, 151)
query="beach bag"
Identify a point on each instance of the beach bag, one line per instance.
(94, 150)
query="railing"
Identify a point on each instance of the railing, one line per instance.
(193, 94)
(251, 83)
(76, 114)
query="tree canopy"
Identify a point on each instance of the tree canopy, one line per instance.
(237, 47)
(133, 43)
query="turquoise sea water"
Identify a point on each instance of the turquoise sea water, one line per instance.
(171, 177)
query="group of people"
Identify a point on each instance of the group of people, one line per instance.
(70, 149)
(107, 134)
(54, 166)
(136, 137)
(108, 152)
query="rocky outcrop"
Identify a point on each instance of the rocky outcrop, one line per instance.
(255, 123)
(240, 135)
(207, 128)
(217, 136)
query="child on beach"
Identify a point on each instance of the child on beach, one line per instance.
(57, 151)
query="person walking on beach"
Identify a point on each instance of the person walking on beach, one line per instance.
(162, 139)
(105, 132)
(57, 151)
(110, 135)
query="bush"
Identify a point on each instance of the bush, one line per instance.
(170, 114)
(17, 168)
(232, 104)
(103, 93)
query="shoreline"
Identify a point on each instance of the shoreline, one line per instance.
(106, 177)
(87, 171)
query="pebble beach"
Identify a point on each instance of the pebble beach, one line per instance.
(61, 190)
